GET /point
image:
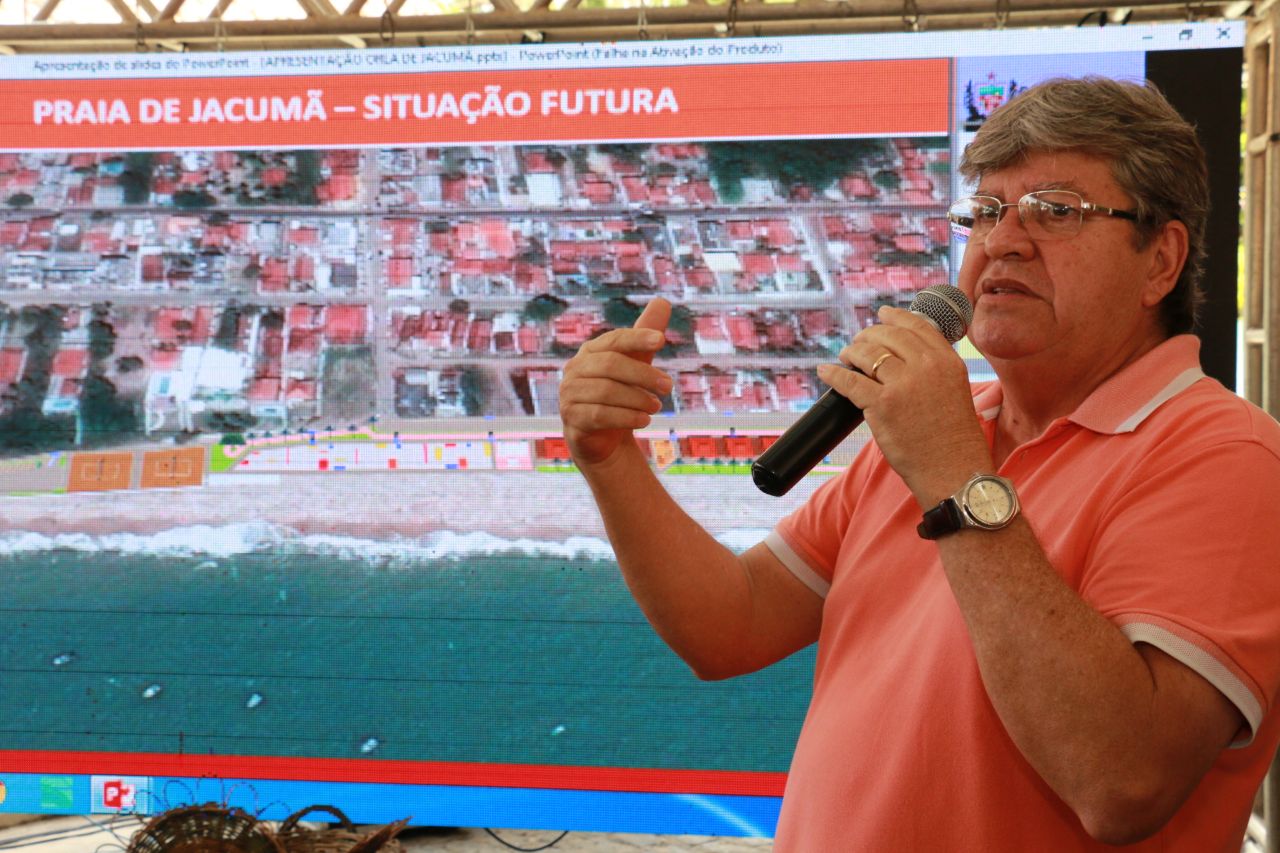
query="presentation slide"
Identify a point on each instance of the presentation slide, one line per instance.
(286, 516)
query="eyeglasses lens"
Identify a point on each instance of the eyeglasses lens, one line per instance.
(1049, 214)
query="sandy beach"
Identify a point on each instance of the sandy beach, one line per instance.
(384, 506)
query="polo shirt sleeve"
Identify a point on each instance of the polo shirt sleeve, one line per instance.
(1186, 561)
(808, 540)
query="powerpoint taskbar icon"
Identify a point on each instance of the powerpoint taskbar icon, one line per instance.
(120, 794)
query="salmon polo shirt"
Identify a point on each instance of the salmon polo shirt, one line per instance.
(1157, 501)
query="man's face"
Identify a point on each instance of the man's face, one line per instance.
(1087, 298)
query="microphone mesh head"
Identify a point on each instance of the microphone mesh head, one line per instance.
(947, 308)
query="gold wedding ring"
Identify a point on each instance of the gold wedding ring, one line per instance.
(875, 366)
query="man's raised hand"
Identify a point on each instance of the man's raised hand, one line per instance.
(611, 387)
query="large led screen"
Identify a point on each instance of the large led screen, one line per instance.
(285, 513)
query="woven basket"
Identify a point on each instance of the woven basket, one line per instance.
(203, 829)
(341, 837)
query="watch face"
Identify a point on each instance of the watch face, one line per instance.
(989, 502)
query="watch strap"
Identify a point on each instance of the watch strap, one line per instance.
(944, 518)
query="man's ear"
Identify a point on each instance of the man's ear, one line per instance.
(1169, 250)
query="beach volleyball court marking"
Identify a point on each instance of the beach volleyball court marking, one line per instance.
(100, 472)
(169, 468)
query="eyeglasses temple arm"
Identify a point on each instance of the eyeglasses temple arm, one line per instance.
(1109, 211)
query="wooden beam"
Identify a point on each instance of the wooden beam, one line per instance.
(126, 14)
(354, 7)
(318, 8)
(46, 10)
(170, 10)
(582, 24)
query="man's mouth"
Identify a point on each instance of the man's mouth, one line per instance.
(1004, 288)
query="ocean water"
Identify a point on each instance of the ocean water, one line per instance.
(250, 640)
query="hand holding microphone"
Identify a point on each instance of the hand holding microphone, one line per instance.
(830, 420)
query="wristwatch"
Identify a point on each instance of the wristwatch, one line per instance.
(986, 502)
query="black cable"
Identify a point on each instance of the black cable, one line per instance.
(511, 846)
(38, 838)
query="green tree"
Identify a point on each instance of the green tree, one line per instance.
(627, 152)
(907, 259)
(19, 200)
(887, 179)
(306, 177)
(192, 199)
(104, 417)
(474, 384)
(42, 339)
(102, 337)
(26, 430)
(621, 313)
(543, 308)
(231, 422)
(815, 163)
(728, 165)
(227, 335)
(681, 320)
(136, 177)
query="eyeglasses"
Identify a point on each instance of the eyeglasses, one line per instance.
(1047, 215)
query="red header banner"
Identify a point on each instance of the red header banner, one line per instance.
(800, 99)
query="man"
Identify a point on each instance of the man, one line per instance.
(1096, 669)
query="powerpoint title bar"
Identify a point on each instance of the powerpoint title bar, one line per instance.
(818, 99)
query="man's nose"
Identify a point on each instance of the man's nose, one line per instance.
(1009, 236)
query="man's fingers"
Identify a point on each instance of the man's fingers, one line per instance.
(654, 318)
(592, 416)
(611, 385)
(622, 368)
(602, 419)
(842, 380)
(588, 395)
(595, 417)
(639, 344)
(656, 315)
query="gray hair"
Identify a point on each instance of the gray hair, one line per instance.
(1153, 151)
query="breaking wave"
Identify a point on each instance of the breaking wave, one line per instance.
(220, 542)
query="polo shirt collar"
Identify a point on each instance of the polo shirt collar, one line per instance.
(1125, 400)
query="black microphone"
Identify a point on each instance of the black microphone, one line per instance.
(830, 420)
